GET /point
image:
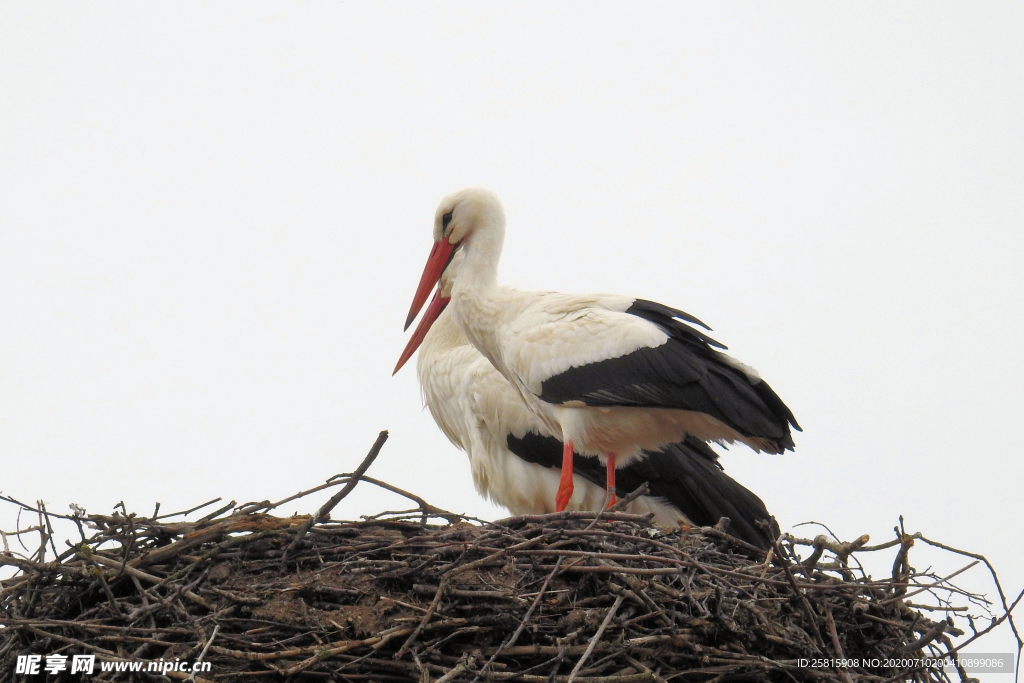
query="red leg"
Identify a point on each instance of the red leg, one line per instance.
(565, 483)
(611, 479)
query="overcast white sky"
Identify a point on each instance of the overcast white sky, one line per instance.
(213, 218)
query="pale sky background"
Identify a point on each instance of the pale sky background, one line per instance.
(213, 218)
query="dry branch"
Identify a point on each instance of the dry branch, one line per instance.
(569, 597)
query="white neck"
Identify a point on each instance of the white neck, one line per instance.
(482, 251)
(477, 305)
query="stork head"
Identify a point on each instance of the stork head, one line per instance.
(437, 305)
(459, 218)
(461, 213)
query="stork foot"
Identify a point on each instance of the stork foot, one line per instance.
(565, 483)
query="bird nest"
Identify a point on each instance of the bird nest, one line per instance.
(427, 595)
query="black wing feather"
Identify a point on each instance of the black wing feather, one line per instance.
(684, 373)
(687, 475)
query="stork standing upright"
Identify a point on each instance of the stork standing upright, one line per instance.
(516, 462)
(610, 375)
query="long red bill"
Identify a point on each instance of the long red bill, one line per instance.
(437, 305)
(436, 262)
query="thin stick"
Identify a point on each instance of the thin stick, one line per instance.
(811, 621)
(216, 627)
(995, 578)
(641, 490)
(325, 510)
(423, 622)
(597, 637)
(922, 589)
(191, 510)
(835, 644)
(522, 624)
(106, 588)
(324, 513)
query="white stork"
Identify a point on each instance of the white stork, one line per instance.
(516, 462)
(611, 376)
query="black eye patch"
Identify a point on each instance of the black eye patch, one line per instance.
(445, 220)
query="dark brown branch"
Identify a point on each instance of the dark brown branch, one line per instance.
(324, 513)
(607, 595)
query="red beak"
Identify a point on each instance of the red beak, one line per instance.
(436, 263)
(437, 305)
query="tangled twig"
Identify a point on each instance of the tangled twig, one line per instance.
(610, 598)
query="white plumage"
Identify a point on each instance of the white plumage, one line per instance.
(609, 375)
(477, 409)
(531, 337)
(482, 414)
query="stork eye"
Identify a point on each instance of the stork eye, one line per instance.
(445, 220)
